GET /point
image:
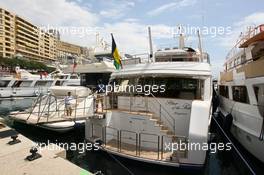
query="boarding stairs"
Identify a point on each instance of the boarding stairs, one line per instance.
(156, 113)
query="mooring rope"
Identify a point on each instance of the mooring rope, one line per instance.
(237, 151)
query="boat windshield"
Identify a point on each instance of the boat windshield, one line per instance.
(21, 83)
(74, 77)
(59, 83)
(167, 87)
(43, 83)
(4, 83)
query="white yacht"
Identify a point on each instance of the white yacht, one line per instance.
(241, 91)
(25, 84)
(143, 126)
(65, 79)
(49, 112)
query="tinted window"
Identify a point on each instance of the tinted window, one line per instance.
(91, 80)
(223, 91)
(259, 92)
(183, 88)
(4, 83)
(240, 94)
(74, 77)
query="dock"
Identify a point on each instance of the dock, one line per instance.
(15, 157)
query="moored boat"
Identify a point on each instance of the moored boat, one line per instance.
(50, 112)
(241, 91)
(144, 124)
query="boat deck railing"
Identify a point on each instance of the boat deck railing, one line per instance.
(187, 57)
(49, 108)
(251, 32)
(132, 143)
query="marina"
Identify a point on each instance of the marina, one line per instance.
(216, 163)
(131, 93)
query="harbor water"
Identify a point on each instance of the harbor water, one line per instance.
(219, 163)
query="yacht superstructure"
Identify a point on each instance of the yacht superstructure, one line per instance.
(241, 91)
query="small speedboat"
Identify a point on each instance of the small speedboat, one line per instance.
(49, 111)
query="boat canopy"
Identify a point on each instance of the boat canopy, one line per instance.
(77, 91)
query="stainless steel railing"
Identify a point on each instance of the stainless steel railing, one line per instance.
(162, 108)
(51, 106)
(116, 137)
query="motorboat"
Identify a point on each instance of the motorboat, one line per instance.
(25, 84)
(65, 79)
(241, 91)
(49, 111)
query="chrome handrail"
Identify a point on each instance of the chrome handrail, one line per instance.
(43, 102)
(138, 140)
(150, 134)
(162, 107)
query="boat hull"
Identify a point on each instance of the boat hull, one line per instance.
(250, 142)
(21, 92)
(60, 127)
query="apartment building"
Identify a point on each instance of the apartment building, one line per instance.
(18, 37)
(68, 53)
(7, 33)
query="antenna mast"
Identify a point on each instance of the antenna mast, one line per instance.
(200, 46)
(150, 45)
(181, 39)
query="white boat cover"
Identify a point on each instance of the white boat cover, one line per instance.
(77, 91)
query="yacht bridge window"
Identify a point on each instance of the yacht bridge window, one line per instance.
(92, 80)
(175, 87)
(21, 83)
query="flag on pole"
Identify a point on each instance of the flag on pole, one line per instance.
(115, 54)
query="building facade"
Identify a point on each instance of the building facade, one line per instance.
(68, 53)
(19, 37)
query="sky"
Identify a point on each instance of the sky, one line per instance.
(220, 22)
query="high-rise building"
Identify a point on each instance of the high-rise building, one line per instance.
(7, 33)
(18, 37)
(68, 53)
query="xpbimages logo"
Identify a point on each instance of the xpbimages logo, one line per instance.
(129, 88)
(183, 146)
